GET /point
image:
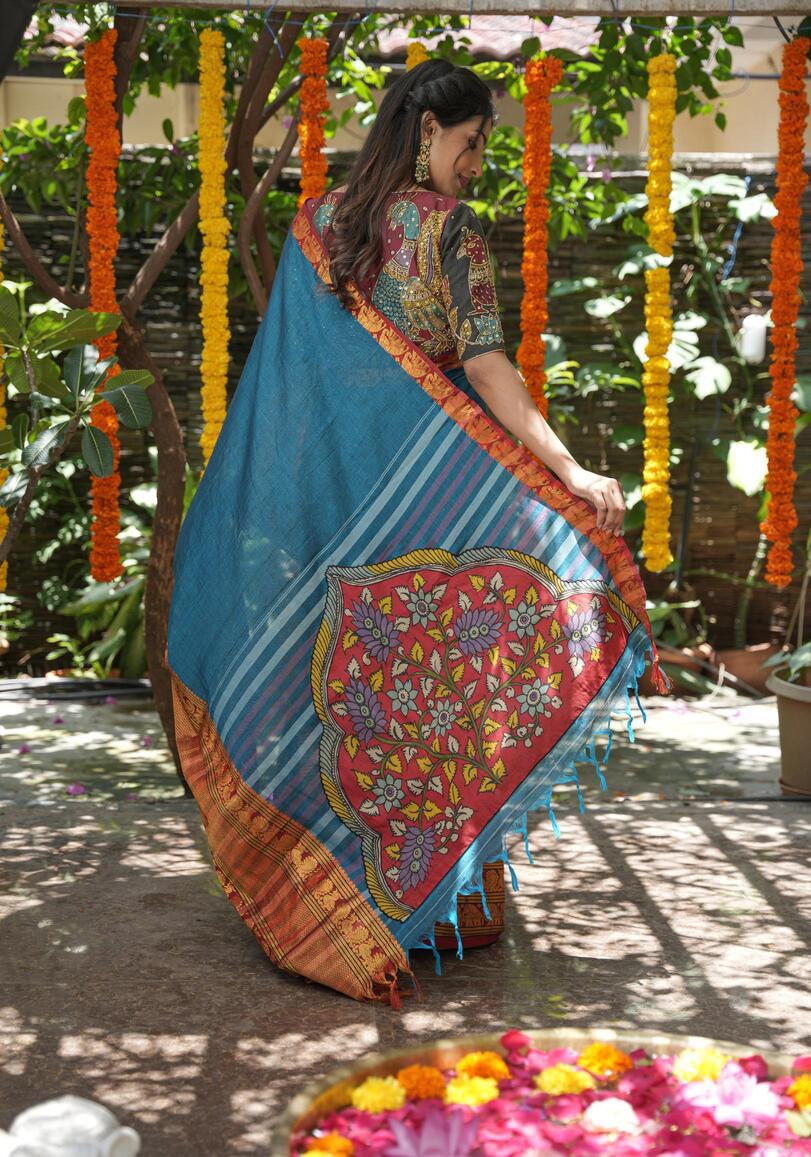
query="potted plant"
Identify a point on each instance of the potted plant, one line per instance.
(791, 683)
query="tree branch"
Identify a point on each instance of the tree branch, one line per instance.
(251, 216)
(173, 236)
(33, 264)
(244, 144)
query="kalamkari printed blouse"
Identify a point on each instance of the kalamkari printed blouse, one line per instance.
(435, 280)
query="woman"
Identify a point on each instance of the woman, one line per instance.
(393, 630)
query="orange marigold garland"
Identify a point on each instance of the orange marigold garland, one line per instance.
(104, 142)
(541, 77)
(658, 317)
(313, 104)
(786, 265)
(214, 227)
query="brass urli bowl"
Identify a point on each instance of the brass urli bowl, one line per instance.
(333, 1091)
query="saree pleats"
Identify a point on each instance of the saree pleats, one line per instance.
(393, 632)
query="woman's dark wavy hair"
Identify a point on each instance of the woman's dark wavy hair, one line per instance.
(386, 161)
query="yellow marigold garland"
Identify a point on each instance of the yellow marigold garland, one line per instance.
(214, 228)
(786, 265)
(658, 316)
(104, 142)
(313, 104)
(3, 422)
(541, 77)
(416, 53)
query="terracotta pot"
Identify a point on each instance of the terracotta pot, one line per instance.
(794, 718)
(748, 664)
(687, 659)
(332, 1092)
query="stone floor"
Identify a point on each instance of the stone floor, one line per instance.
(680, 902)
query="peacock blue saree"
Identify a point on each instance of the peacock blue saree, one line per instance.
(393, 633)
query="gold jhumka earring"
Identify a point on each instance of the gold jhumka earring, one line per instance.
(421, 169)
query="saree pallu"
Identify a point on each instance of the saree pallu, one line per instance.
(392, 633)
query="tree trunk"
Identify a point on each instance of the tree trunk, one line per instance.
(171, 467)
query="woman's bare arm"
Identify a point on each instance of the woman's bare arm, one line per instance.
(494, 377)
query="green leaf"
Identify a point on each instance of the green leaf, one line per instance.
(52, 331)
(753, 208)
(83, 369)
(746, 466)
(13, 488)
(569, 285)
(733, 35)
(97, 450)
(131, 402)
(8, 444)
(9, 317)
(604, 307)
(38, 452)
(626, 437)
(49, 379)
(168, 130)
(708, 377)
(802, 393)
(15, 371)
(20, 427)
(722, 185)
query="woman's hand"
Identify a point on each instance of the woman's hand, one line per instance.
(604, 494)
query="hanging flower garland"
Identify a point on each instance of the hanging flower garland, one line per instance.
(658, 316)
(541, 77)
(313, 104)
(786, 265)
(104, 142)
(3, 422)
(416, 53)
(214, 227)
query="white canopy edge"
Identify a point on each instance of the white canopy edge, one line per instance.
(509, 7)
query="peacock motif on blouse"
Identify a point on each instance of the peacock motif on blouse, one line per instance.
(388, 291)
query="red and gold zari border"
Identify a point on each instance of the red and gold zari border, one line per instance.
(521, 462)
(300, 905)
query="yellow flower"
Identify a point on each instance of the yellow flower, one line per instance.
(214, 227)
(560, 1079)
(483, 1065)
(416, 53)
(377, 1094)
(800, 1090)
(471, 1091)
(604, 1060)
(699, 1064)
(422, 1082)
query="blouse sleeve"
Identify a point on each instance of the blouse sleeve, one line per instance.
(468, 289)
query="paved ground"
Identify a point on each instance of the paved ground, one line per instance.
(679, 902)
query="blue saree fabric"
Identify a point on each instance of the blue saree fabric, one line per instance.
(392, 633)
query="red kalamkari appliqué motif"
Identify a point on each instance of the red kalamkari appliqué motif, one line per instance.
(442, 680)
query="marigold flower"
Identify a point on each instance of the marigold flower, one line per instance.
(604, 1060)
(486, 1064)
(421, 1082)
(463, 1090)
(416, 53)
(214, 227)
(104, 142)
(542, 75)
(800, 1090)
(313, 105)
(560, 1079)
(786, 264)
(658, 317)
(332, 1143)
(377, 1094)
(699, 1064)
